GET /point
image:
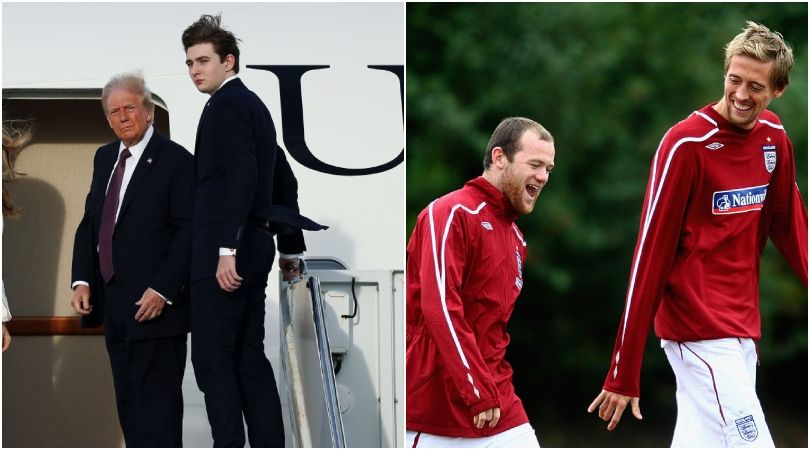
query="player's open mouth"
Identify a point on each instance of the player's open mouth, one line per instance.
(741, 107)
(533, 190)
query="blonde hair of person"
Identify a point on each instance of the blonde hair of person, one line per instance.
(16, 135)
(758, 42)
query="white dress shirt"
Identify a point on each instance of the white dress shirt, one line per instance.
(131, 162)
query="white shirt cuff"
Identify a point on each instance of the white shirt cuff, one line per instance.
(286, 256)
(164, 298)
(227, 251)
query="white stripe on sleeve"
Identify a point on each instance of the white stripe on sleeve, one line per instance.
(439, 263)
(645, 228)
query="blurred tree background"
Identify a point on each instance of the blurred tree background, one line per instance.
(607, 80)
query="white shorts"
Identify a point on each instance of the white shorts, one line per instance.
(522, 436)
(717, 400)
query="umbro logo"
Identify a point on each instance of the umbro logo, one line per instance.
(487, 225)
(714, 146)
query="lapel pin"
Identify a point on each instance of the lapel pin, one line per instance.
(149, 160)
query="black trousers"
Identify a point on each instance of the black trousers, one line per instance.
(227, 351)
(148, 378)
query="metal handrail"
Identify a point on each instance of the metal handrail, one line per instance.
(327, 369)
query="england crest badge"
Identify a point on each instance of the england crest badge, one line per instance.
(747, 428)
(769, 153)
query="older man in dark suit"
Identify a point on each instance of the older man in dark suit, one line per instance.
(246, 194)
(131, 263)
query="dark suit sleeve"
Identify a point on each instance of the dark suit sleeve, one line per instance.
(83, 246)
(85, 266)
(285, 193)
(173, 273)
(233, 140)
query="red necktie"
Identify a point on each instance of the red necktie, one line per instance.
(108, 216)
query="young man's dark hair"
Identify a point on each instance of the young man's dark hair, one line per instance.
(507, 136)
(208, 29)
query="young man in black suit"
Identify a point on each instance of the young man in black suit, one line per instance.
(131, 260)
(246, 194)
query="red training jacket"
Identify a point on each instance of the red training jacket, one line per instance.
(716, 193)
(464, 274)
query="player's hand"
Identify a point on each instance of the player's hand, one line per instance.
(290, 268)
(227, 277)
(611, 407)
(491, 416)
(151, 306)
(81, 300)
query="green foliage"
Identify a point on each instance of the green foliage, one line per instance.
(607, 80)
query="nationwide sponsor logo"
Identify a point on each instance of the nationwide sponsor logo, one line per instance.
(739, 200)
(769, 153)
(714, 146)
(747, 428)
(487, 225)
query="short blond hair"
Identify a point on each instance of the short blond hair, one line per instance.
(758, 42)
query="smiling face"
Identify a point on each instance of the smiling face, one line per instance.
(747, 91)
(522, 179)
(127, 116)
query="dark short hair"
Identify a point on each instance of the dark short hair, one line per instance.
(507, 136)
(209, 30)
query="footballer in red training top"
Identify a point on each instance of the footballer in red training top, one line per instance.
(722, 182)
(464, 274)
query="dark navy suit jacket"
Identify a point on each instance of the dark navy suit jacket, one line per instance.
(243, 177)
(151, 241)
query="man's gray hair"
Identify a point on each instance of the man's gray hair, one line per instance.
(131, 82)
